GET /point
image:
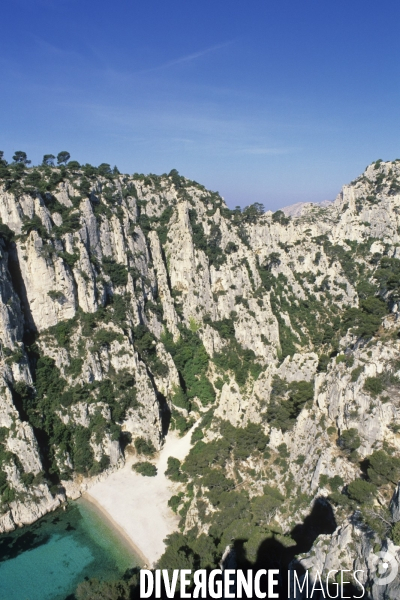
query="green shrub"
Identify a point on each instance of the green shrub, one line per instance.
(219, 383)
(39, 478)
(34, 224)
(73, 166)
(349, 441)
(180, 423)
(395, 533)
(283, 451)
(288, 340)
(374, 385)
(191, 360)
(163, 221)
(242, 362)
(323, 363)
(13, 356)
(211, 245)
(33, 180)
(231, 247)
(75, 367)
(323, 480)
(8, 495)
(70, 259)
(175, 501)
(117, 272)
(145, 343)
(244, 441)
(355, 374)
(145, 468)
(345, 358)
(71, 223)
(111, 590)
(27, 478)
(82, 450)
(144, 447)
(5, 173)
(388, 274)
(74, 394)
(237, 443)
(178, 554)
(56, 295)
(3, 482)
(287, 401)
(217, 483)
(6, 234)
(225, 328)
(120, 309)
(361, 491)
(48, 380)
(103, 338)
(366, 320)
(173, 471)
(280, 217)
(264, 507)
(383, 469)
(104, 462)
(179, 399)
(4, 432)
(197, 435)
(63, 332)
(335, 483)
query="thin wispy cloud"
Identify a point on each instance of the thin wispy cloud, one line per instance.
(185, 59)
(195, 55)
(186, 127)
(268, 151)
(55, 50)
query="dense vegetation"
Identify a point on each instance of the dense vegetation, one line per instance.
(309, 289)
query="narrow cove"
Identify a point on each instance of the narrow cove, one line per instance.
(46, 560)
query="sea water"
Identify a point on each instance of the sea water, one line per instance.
(47, 560)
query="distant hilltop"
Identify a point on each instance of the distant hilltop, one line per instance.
(298, 209)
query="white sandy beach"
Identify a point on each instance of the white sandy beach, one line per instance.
(138, 505)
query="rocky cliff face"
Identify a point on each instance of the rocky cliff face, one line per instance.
(133, 304)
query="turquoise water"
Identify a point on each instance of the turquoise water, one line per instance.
(47, 560)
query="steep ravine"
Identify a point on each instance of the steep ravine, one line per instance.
(130, 305)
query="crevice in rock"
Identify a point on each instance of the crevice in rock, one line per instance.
(20, 289)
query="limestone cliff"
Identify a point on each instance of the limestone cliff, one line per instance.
(133, 304)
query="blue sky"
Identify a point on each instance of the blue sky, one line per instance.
(265, 101)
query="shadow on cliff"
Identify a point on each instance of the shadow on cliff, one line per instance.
(19, 287)
(164, 409)
(272, 554)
